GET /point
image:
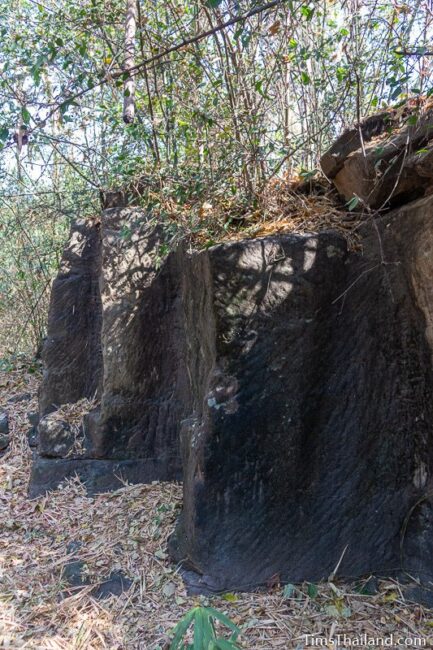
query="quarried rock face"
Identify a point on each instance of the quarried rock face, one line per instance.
(145, 386)
(314, 440)
(114, 349)
(386, 161)
(293, 378)
(72, 351)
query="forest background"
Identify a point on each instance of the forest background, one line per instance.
(228, 98)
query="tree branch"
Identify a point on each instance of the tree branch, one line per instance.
(143, 64)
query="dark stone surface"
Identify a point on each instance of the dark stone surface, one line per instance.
(33, 418)
(298, 377)
(116, 305)
(73, 574)
(368, 587)
(24, 397)
(72, 351)
(419, 594)
(114, 585)
(146, 388)
(32, 433)
(56, 438)
(98, 475)
(4, 441)
(312, 438)
(4, 423)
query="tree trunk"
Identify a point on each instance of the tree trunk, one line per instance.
(129, 89)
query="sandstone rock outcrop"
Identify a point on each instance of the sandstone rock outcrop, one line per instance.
(386, 161)
(72, 350)
(315, 437)
(4, 431)
(291, 378)
(113, 342)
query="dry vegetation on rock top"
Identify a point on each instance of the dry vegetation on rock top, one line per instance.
(292, 204)
(126, 531)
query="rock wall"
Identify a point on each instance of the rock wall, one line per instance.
(72, 352)
(315, 439)
(288, 378)
(113, 339)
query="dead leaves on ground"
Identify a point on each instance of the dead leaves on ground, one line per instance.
(127, 531)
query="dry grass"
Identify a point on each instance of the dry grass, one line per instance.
(287, 205)
(127, 530)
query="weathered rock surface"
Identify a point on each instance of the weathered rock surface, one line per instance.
(145, 387)
(297, 377)
(32, 433)
(56, 438)
(391, 164)
(114, 337)
(4, 431)
(313, 442)
(73, 573)
(72, 351)
(98, 475)
(4, 441)
(23, 397)
(4, 423)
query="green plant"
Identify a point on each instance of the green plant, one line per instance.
(203, 620)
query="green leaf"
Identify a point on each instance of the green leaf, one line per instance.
(308, 174)
(213, 3)
(222, 618)
(204, 631)
(312, 590)
(231, 598)
(307, 12)
(4, 134)
(288, 591)
(258, 86)
(341, 73)
(354, 201)
(245, 38)
(210, 638)
(305, 78)
(66, 106)
(25, 115)
(396, 92)
(199, 624)
(181, 628)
